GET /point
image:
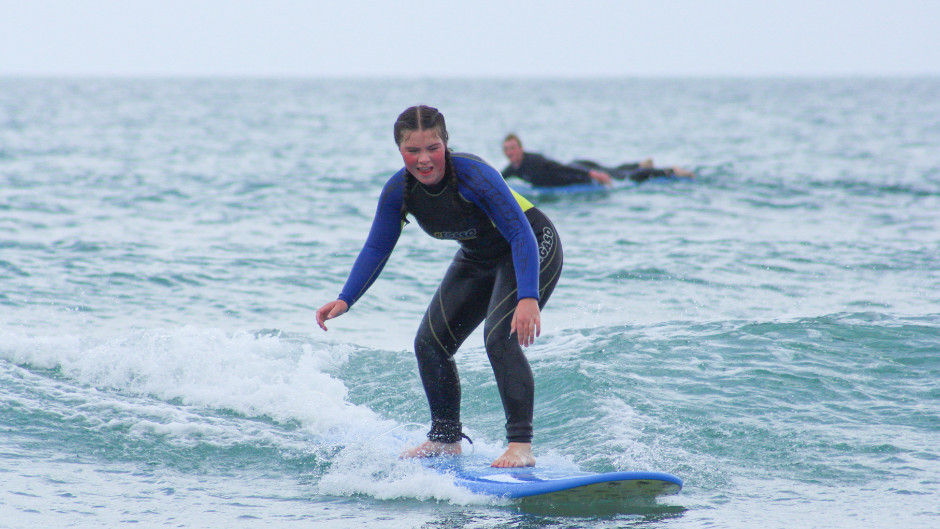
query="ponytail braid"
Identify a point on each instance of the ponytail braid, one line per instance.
(409, 184)
(450, 175)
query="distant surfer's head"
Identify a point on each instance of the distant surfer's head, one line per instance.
(512, 148)
(421, 136)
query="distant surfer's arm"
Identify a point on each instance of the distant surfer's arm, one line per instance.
(386, 228)
(543, 172)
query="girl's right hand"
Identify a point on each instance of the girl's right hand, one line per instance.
(330, 311)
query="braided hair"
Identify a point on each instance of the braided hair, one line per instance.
(418, 118)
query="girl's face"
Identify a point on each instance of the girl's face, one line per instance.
(423, 153)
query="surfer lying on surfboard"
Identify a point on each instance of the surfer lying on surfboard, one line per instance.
(543, 172)
(510, 259)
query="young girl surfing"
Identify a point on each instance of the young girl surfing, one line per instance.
(509, 261)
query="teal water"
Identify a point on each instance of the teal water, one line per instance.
(768, 332)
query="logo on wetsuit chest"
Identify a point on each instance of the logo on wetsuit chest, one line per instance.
(456, 235)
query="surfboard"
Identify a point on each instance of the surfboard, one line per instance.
(475, 475)
(525, 189)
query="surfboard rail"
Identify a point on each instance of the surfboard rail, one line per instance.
(478, 477)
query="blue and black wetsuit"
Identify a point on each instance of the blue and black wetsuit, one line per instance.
(509, 250)
(544, 172)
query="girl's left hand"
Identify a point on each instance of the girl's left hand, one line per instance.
(526, 321)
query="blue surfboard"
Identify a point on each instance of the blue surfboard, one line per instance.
(475, 474)
(526, 189)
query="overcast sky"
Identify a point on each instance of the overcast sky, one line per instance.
(470, 38)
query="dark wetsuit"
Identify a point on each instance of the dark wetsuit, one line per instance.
(625, 171)
(543, 172)
(509, 250)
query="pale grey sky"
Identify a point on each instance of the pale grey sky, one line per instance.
(470, 38)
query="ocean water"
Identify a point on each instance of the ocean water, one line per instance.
(769, 332)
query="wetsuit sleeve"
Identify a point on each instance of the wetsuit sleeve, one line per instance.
(486, 188)
(383, 236)
(540, 171)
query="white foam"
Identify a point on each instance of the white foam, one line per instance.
(251, 375)
(376, 471)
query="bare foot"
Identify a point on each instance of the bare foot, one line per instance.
(683, 172)
(517, 455)
(431, 449)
